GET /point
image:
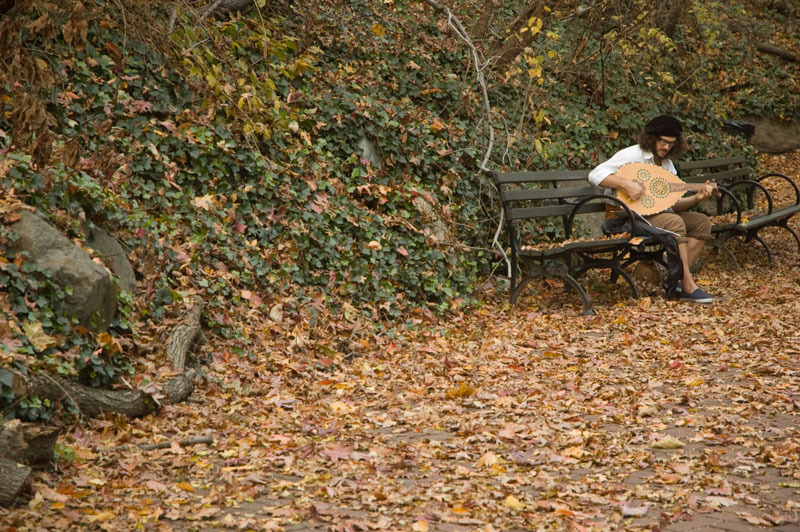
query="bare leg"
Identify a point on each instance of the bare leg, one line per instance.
(693, 249)
(689, 285)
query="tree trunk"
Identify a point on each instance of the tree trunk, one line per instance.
(180, 343)
(220, 7)
(774, 50)
(13, 477)
(673, 18)
(28, 443)
(91, 401)
(179, 388)
(516, 40)
(185, 334)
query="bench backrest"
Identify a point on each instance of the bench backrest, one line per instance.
(722, 170)
(540, 203)
(528, 195)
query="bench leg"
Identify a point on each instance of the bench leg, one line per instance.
(622, 273)
(758, 239)
(569, 281)
(785, 224)
(720, 245)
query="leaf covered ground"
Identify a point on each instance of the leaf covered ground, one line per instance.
(649, 414)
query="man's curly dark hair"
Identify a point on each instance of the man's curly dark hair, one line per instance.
(648, 143)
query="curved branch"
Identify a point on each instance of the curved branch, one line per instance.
(480, 64)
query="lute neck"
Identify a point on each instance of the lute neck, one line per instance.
(684, 187)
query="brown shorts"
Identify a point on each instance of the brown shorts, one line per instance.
(685, 224)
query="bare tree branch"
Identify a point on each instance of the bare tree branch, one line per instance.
(480, 64)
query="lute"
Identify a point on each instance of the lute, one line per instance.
(662, 188)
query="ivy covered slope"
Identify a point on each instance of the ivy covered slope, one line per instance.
(233, 156)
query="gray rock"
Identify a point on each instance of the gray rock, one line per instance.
(112, 254)
(93, 299)
(775, 136)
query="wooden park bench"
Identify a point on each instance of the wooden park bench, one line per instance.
(750, 203)
(542, 210)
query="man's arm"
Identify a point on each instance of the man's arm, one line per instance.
(634, 189)
(690, 201)
(605, 173)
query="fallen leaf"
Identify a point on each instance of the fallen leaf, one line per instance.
(668, 442)
(717, 502)
(514, 503)
(37, 337)
(339, 408)
(340, 452)
(634, 511)
(204, 202)
(488, 460)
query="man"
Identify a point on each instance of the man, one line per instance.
(662, 140)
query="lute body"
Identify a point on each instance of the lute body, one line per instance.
(662, 188)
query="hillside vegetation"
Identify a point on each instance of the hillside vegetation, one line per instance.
(228, 154)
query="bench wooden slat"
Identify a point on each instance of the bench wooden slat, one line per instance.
(530, 194)
(768, 218)
(582, 245)
(719, 177)
(540, 177)
(710, 163)
(553, 210)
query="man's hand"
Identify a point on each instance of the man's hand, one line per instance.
(633, 188)
(705, 192)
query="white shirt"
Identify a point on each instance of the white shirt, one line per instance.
(631, 154)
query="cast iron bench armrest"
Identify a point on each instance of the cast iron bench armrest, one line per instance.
(725, 192)
(787, 179)
(751, 184)
(584, 201)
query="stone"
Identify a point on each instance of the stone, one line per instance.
(775, 136)
(112, 254)
(93, 298)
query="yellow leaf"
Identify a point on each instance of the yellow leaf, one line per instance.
(463, 390)
(379, 30)
(460, 510)
(102, 517)
(514, 503)
(420, 526)
(374, 244)
(574, 452)
(36, 335)
(534, 24)
(109, 342)
(185, 486)
(488, 460)
(669, 442)
(339, 408)
(695, 382)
